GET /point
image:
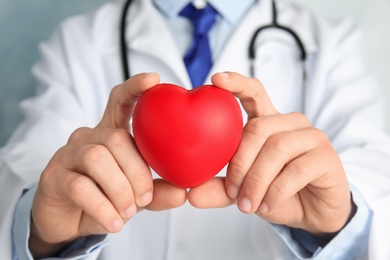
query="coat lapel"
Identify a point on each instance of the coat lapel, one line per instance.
(152, 48)
(277, 62)
(147, 35)
(234, 56)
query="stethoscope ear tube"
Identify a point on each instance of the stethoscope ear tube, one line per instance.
(251, 49)
(123, 47)
(275, 25)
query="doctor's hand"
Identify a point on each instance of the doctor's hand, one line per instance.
(284, 170)
(98, 180)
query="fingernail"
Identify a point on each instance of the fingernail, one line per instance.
(223, 74)
(145, 199)
(146, 74)
(232, 191)
(130, 211)
(263, 207)
(116, 225)
(245, 205)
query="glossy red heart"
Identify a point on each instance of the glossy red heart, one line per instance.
(185, 136)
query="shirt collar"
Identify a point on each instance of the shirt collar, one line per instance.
(231, 10)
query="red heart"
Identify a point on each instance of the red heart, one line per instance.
(187, 137)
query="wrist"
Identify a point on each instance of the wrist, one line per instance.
(40, 248)
(324, 238)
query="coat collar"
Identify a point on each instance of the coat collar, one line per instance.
(151, 37)
(143, 33)
(230, 10)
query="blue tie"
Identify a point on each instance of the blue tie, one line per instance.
(198, 57)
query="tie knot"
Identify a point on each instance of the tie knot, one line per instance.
(202, 19)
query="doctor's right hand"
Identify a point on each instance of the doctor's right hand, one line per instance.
(98, 180)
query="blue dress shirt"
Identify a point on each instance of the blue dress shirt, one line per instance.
(230, 13)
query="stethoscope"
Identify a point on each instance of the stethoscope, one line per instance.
(251, 50)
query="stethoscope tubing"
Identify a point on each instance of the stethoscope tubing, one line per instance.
(123, 47)
(252, 45)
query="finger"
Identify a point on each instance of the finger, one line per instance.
(123, 97)
(277, 152)
(89, 225)
(166, 196)
(135, 169)
(87, 196)
(249, 91)
(292, 179)
(310, 169)
(97, 162)
(121, 145)
(211, 194)
(255, 134)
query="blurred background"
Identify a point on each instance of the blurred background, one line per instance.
(23, 24)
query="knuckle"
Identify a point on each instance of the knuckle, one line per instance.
(79, 134)
(142, 175)
(276, 143)
(301, 118)
(118, 137)
(100, 207)
(256, 127)
(50, 173)
(320, 135)
(122, 188)
(279, 190)
(236, 167)
(55, 166)
(256, 83)
(78, 186)
(255, 180)
(94, 154)
(297, 169)
(115, 91)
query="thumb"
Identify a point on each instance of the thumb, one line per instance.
(166, 196)
(123, 97)
(249, 91)
(211, 194)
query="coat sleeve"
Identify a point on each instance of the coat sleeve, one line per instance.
(345, 101)
(50, 117)
(72, 92)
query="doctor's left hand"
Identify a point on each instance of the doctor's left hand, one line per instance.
(284, 170)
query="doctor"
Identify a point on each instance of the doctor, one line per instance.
(312, 185)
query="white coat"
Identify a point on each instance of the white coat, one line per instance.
(81, 63)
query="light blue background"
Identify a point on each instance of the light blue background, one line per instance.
(23, 24)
